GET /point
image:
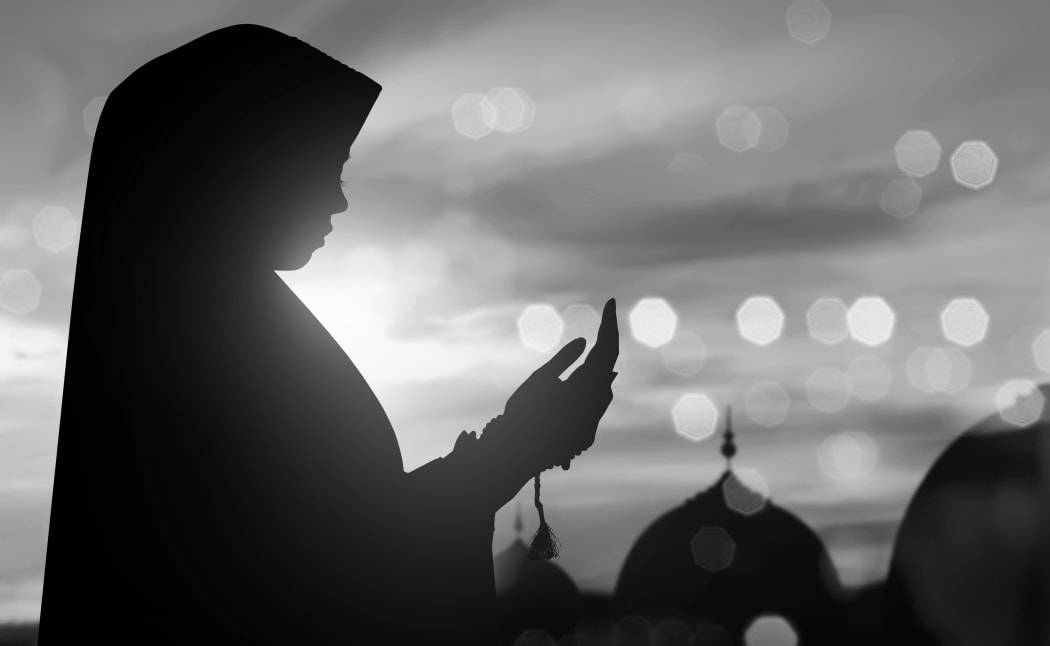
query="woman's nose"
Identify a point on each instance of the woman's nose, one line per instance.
(339, 201)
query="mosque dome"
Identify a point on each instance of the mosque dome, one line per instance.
(973, 526)
(533, 594)
(728, 555)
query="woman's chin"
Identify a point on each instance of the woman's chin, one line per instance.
(298, 259)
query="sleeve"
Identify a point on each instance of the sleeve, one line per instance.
(479, 475)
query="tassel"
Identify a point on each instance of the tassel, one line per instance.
(544, 544)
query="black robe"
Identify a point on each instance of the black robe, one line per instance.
(225, 474)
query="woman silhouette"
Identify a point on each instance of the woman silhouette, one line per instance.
(224, 472)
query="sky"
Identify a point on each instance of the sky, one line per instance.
(619, 187)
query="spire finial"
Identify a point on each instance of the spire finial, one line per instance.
(728, 447)
(518, 526)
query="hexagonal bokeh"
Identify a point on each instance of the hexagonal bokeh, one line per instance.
(1020, 402)
(1041, 351)
(770, 630)
(964, 321)
(870, 320)
(828, 390)
(514, 109)
(901, 198)
(826, 319)
(653, 321)
(918, 153)
(579, 320)
(869, 377)
(939, 370)
(473, 116)
(732, 128)
(685, 354)
(535, 637)
(92, 113)
(54, 228)
(713, 549)
(974, 164)
(695, 416)
(19, 291)
(808, 21)
(760, 320)
(766, 403)
(539, 327)
(773, 129)
(849, 455)
(918, 375)
(745, 491)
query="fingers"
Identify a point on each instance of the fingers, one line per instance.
(561, 360)
(607, 346)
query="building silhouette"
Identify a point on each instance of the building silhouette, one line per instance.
(727, 556)
(970, 563)
(533, 594)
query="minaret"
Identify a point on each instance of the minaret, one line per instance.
(728, 447)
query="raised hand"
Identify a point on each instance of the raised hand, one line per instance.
(556, 420)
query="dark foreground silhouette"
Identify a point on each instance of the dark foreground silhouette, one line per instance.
(224, 472)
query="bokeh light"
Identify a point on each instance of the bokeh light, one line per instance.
(539, 327)
(1020, 402)
(826, 320)
(92, 113)
(732, 128)
(760, 320)
(964, 321)
(580, 319)
(745, 491)
(766, 403)
(513, 109)
(473, 116)
(653, 321)
(849, 455)
(770, 630)
(695, 416)
(901, 198)
(939, 370)
(974, 164)
(828, 390)
(772, 129)
(870, 320)
(808, 21)
(685, 354)
(19, 291)
(869, 377)
(54, 228)
(1041, 351)
(713, 549)
(918, 153)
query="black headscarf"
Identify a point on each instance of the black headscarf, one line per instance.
(176, 147)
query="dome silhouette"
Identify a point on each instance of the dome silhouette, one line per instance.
(712, 560)
(533, 594)
(973, 525)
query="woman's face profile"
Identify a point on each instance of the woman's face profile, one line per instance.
(292, 203)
